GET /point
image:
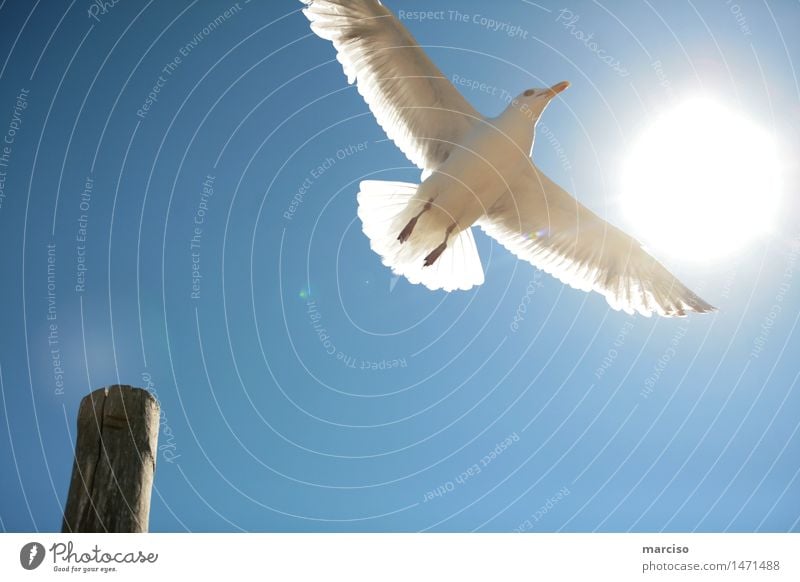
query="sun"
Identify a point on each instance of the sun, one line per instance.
(701, 182)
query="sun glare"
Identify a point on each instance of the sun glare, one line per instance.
(701, 182)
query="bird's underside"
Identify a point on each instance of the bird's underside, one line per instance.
(422, 236)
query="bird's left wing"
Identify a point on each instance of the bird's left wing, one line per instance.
(417, 106)
(541, 223)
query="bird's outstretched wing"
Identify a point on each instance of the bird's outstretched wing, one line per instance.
(417, 106)
(541, 223)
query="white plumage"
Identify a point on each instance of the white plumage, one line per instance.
(476, 170)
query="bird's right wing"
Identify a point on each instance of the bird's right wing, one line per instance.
(541, 223)
(417, 106)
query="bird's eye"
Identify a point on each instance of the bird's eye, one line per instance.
(529, 92)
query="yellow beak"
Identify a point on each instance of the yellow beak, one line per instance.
(559, 87)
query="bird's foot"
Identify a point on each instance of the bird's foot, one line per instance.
(435, 254)
(409, 228)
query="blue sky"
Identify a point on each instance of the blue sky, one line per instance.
(305, 389)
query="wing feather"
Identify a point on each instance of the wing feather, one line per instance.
(414, 103)
(541, 223)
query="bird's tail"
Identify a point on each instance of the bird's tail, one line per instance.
(385, 208)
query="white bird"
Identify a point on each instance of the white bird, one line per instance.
(476, 171)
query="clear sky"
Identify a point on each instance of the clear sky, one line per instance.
(189, 177)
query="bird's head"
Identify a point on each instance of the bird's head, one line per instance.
(533, 101)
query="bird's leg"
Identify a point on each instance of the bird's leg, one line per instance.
(437, 252)
(409, 228)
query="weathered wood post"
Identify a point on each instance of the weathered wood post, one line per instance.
(115, 460)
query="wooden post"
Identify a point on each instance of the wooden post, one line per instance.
(115, 460)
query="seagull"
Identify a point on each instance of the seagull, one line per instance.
(476, 171)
